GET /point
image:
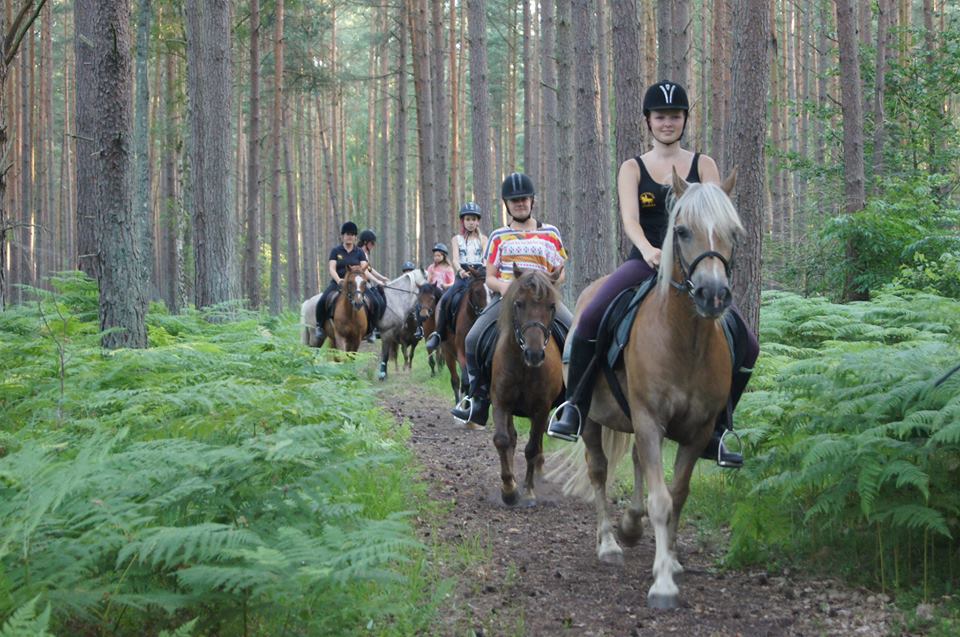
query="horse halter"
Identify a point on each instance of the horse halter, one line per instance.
(519, 330)
(687, 270)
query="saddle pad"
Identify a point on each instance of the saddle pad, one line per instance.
(614, 331)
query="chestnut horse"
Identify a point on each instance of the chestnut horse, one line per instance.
(527, 374)
(675, 373)
(454, 349)
(347, 324)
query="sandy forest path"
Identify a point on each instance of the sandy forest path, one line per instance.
(534, 571)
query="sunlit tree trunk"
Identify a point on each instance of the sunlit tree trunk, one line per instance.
(22, 254)
(441, 121)
(123, 306)
(171, 213)
(417, 11)
(402, 113)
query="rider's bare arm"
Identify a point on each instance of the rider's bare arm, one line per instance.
(332, 268)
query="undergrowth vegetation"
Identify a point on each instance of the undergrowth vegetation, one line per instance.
(853, 451)
(225, 481)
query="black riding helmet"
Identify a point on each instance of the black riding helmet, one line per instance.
(516, 186)
(440, 247)
(348, 228)
(470, 208)
(407, 266)
(367, 235)
(665, 96)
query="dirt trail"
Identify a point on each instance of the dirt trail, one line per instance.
(539, 576)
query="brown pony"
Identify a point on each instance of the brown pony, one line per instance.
(676, 377)
(527, 374)
(454, 349)
(423, 314)
(347, 324)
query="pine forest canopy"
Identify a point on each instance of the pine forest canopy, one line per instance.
(212, 155)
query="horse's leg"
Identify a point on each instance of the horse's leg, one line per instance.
(533, 452)
(385, 347)
(408, 353)
(679, 490)
(631, 525)
(608, 550)
(664, 592)
(505, 440)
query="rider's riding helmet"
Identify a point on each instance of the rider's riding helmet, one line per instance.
(349, 228)
(407, 266)
(517, 186)
(665, 96)
(441, 247)
(367, 236)
(470, 208)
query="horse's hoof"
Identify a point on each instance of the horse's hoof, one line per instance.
(472, 426)
(381, 376)
(614, 558)
(657, 600)
(529, 503)
(510, 499)
(629, 539)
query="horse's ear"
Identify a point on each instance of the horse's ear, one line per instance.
(555, 275)
(679, 184)
(516, 270)
(731, 181)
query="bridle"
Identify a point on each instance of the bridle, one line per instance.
(519, 330)
(687, 270)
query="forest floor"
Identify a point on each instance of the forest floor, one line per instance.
(534, 572)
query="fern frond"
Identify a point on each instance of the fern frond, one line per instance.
(25, 622)
(169, 547)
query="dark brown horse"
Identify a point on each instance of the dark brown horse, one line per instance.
(676, 377)
(422, 314)
(454, 349)
(347, 324)
(527, 374)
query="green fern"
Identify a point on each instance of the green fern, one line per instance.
(25, 622)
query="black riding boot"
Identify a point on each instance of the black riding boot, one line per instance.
(474, 408)
(433, 342)
(321, 319)
(567, 420)
(716, 448)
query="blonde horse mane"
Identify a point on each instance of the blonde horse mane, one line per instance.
(705, 209)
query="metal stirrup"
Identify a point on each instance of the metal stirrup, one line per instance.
(466, 403)
(721, 447)
(553, 419)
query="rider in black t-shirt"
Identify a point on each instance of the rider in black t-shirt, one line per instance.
(347, 254)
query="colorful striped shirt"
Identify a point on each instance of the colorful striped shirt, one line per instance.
(541, 249)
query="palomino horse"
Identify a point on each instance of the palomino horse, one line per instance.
(405, 339)
(676, 374)
(347, 324)
(464, 316)
(527, 374)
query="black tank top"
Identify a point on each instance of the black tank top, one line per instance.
(652, 196)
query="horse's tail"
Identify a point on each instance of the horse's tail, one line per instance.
(570, 467)
(304, 325)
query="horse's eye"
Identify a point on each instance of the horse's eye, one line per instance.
(518, 305)
(553, 307)
(682, 231)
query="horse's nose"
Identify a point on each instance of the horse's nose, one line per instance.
(533, 358)
(712, 298)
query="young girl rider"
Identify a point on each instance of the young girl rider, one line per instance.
(642, 188)
(468, 246)
(346, 254)
(526, 243)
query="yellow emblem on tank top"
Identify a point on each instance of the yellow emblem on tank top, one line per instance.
(647, 200)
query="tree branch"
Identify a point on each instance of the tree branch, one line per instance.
(18, 30)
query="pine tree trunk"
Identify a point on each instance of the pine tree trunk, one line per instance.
(592, 200)
(885, 8)
(84, 12)
(141, 137)
(628, 90)
(529, 157)
(441, 121)
(402, 113)
(123, 306)
(22, 253)
(172, 288)
(851, 101)
(393, 238)
(566, 113)
(251, 249)
(417, 11)
(293, 222)
(276, 297)
(209, 84)
(483, 191)
(719, 77)
(749, 84)
(548, 101)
